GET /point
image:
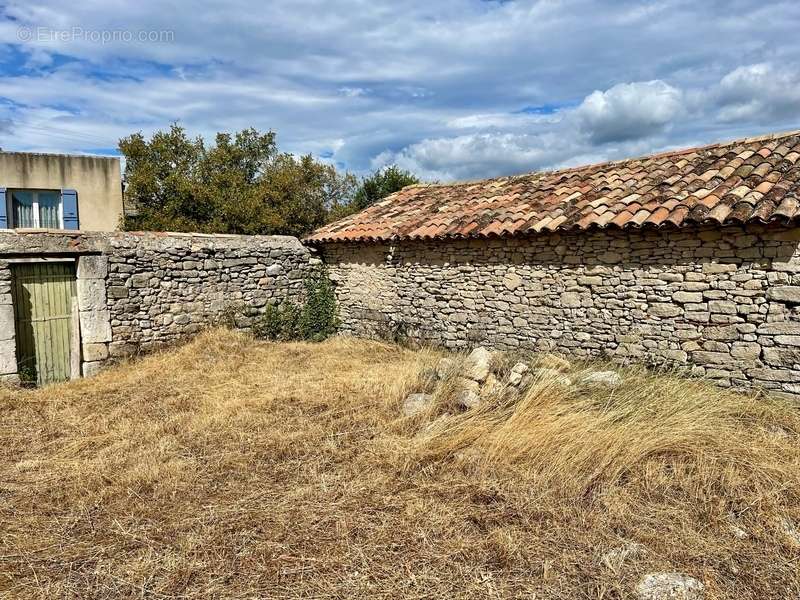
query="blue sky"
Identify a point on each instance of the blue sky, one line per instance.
(449, 89)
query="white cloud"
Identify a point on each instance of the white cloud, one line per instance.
(629, 111)
(438, 86)
(759, 93)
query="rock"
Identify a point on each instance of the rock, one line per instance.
(790, 529)
(664, 309)
(512, 281)
(570, 299)
(490, 386)
(416, 403)
(614, 558)
(556, 363)
(478, 364)
(517, 373)
(469, 393)
(669, 586)
(784, 293)
(443, 367)
(602, 379)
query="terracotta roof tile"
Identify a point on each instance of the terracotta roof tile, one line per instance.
(755, 179)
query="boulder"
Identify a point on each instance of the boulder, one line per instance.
(478, 364)
(602, 379)
(491, 385)
(517, 373)
(469, 393)
(556, 363)
(416, 403)
(669, 586)
(443, 367)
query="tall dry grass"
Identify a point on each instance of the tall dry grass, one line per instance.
(233, 468)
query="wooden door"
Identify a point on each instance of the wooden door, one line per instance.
(44, 296)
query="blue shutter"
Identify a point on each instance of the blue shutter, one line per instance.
(3, 209)
(69, 206)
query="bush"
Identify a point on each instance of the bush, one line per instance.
(314, 320)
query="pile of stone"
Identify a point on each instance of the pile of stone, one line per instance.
(476, 378)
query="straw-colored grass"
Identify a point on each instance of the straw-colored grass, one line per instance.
(231, 468)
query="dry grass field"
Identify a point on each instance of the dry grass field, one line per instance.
(231, 468)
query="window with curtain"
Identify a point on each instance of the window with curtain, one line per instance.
(36, 209)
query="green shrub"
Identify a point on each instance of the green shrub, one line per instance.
(314, 320)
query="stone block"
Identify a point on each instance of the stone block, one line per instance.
(91, 294)
(122, 349)
(7, 328)
(789, 294)
(687, 297)
(781, 357)
(92, 267)
(717, 268)
(664, 309)
(95, 326)
(725, 307)
(91, 368)
(94, 352)
(8, 357)
(721, 333)
(570, 299)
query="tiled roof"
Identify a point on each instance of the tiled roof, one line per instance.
(750, 180)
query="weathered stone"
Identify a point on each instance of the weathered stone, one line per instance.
(570, 299)
(444, 367)
(468, 395)
(7, 327)
(781, 357)
(664, 310)
(415, 404)
(91, 368)
(94, 352)
(512, 281)
(784, 293)
(687, 297)
(91, 294)
(601, 379)
(478, 364)
(274, 270)
(92, 267)
(517, 373)
(95, 326)
(669, 586)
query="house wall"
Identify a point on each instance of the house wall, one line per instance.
(96, 179)
(722, 303)
(136, 291)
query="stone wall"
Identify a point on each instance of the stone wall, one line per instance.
(136, 291)
(721, 302)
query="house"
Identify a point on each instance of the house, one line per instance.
(688, 259)
(57, 191)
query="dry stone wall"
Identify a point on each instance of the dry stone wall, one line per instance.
(723, 303)
(136, 291)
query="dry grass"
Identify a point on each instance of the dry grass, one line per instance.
(232, 468)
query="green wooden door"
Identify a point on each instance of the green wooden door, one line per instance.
(43, 295)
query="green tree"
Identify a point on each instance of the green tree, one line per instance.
(241, 184)
(375, 187)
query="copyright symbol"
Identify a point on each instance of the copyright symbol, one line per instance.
(24, 34)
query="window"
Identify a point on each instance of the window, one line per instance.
(36, 209)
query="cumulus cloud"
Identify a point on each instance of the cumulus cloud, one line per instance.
(629, 111)
(440, 87)
(760, 93)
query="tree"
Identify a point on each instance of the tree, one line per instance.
(380, 184)
(241, 184)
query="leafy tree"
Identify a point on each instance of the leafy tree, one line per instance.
(241, 184)
(375, 187)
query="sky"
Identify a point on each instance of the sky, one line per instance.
(451, 90)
